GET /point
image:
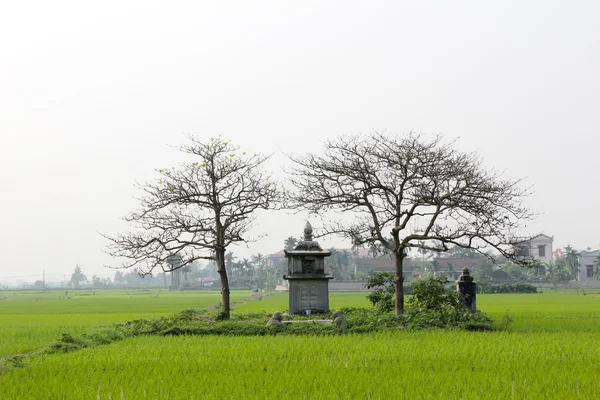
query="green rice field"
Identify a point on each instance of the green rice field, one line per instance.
(29, 320)
(551, 350)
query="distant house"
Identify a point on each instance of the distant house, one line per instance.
(275, 259)
(452, 267)
(499, 276)
(538, 247)
(386, 264)
(587, 265)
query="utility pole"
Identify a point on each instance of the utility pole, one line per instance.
(44, 280)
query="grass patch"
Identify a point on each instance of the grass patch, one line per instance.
(192, 354)
(30, 320)
(386, 365)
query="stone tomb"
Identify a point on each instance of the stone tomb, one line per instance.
(468, 288)
(308, 283)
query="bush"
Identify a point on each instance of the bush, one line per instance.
(490, 288)
(11, 362)
(446, 318)
(382, 297)
(68, 343)
(431, 306)
(105, 336)
(431, 294)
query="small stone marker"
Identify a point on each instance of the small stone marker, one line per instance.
(275, 319)
(339, 319)
(468, 288)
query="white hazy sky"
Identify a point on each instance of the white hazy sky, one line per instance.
(92, 94)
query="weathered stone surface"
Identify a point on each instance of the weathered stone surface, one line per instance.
(275, 319)
(308, 244)
(310, 321)
(308, 283)
(339, 319)
(309, 294)
(468, 288)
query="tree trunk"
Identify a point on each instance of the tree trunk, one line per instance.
(399, 283)
(225, 298)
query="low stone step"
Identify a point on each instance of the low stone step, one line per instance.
(309, 321)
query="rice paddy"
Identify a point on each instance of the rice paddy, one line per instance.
(30, 320)
(550, 351)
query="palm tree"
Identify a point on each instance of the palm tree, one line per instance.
(259, 261)
(248, 268)
(290, 243)
(186, 270)
(572, 261)
(229, 261)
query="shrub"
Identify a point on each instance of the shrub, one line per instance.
(490, 288)
(105, 336)
(68, 343)
(11, 362)
(445, 318)
(382, 296)
(431, 294)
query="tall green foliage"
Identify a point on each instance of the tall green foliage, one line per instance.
(339, 264)
(432, 294)
(565, 268)
(77, 277)
(427, 294)
(290, 243)
(382, 296)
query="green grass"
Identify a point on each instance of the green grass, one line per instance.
(30, 320)
(279, 302)
(545, 312)
(550, 351)
(444, 365)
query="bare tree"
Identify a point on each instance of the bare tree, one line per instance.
(389, 182)
(196, 210)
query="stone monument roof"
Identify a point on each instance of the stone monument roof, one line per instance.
(308, 244)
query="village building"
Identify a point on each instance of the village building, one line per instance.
(451, 267)
(538, 247)
(589, 265)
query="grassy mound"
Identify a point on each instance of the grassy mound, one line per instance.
(210, 322)
(204, 322)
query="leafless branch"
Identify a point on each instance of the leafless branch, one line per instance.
(391, 183)
(195, 210)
